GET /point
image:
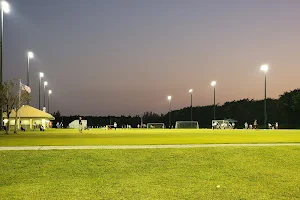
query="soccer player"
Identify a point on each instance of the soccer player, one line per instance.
(80, 124)
(246, 125)
(270, 126)
(115, 125)
(276, 125)
(255, 124)
(214, 125)
(233, 124)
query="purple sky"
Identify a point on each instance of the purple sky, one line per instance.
(113, 57)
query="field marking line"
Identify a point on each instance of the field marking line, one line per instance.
(171, 146)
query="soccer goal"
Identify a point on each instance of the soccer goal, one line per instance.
(155, 125)
(187, 124)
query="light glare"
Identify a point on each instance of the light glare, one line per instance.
(264, 68)
(191, 90)
(169, 98)
(5, 6)
(50, 91)
(213, 83)
(30, 55)
(45, 83)
(41, 74)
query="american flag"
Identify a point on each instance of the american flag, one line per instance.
(26, 88)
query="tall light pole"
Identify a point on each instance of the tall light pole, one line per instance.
(213, 84)
(191, 92)
(265, 68)
(45, 84)
(30, 55)
(4, 6)
(49, 93)
(41, 76)
(169, 99)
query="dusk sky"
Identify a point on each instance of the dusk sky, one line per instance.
(113, 57)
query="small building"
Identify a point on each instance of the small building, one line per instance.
(28, 116)
(75, 124)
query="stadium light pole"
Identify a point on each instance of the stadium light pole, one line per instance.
(41, 76)
(4, 6)
(49, 94)
(45, 84)
(265, 68)
(169, 99)
(213, 84)
(191, 92)
(30, 55)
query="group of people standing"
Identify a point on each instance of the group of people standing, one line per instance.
(250, 126)
(271, 126)
(59, 125)
(255, 125)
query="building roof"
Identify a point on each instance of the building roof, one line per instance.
(30, 112)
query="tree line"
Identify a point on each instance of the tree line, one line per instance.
(285, 110)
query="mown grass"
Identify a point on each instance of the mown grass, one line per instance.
(242, 173)
(138, 136)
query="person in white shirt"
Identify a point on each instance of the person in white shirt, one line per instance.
(270, 126)
(276, 125)
(246, 125)
(115, 125)
(214, 124)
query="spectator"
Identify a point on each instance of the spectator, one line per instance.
(34, 126)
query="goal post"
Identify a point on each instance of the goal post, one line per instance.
(187, 124)
(155, 125)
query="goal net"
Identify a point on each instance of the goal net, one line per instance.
(155, 125)
(186, 124)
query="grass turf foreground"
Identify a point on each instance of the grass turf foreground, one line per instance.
(241, 172)
(63, 137)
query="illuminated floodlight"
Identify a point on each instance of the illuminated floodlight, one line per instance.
(264, 68)
(5, 6)
(213, 83)
(30, 55)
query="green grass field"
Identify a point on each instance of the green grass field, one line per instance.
(192, 173)
(138, 136)
(242, 173)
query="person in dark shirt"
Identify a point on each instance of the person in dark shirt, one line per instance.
(80, 124)
(255, 125)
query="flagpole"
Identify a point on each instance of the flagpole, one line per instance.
(20, 88)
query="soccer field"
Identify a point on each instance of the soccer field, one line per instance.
(242, 173)
(191, 173)
(63, 137)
